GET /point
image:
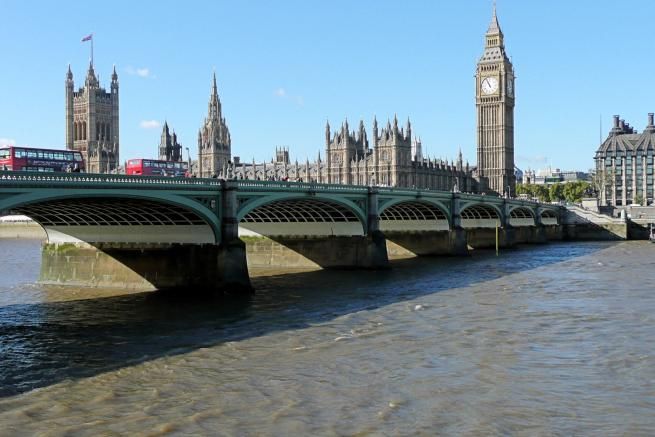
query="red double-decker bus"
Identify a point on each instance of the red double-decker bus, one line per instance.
(152, 167)
(42, 160)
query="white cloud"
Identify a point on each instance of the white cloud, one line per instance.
(7, 142)
(141, 72)
(149, 124)
(282, 93)
(537, 159)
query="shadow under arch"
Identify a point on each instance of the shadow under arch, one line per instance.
(480, 215)
(416, 228)
(137, 213)
(303, 232)
(521, 216)
(132, 242)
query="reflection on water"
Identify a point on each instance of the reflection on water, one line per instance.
(550, 339)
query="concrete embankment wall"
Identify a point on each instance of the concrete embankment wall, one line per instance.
(26, 230)
(130, 267)
(596, 232)
(307, 252)
(194, 267)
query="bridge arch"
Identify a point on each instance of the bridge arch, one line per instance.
(295, 215)
(414, 215)
(102, 217)
(521, 216)
(480, 215)
(549, 217)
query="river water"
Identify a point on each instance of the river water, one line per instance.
(554, 339)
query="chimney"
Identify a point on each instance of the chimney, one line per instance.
(616, 122)
(650, 119)
(622, 125)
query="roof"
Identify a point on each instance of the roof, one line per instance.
(619, 144)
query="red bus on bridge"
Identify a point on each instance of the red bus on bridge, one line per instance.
(153, 167)
(42, 160)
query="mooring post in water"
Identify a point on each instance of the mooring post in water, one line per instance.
(497, 226)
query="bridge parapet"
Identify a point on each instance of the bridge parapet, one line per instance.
(82, 180)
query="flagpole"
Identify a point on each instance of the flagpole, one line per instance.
(92, 49)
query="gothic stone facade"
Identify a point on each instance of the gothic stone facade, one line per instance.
(395, 160)
(169, 148)
(624, 165)
(92, 121)
(495, 115)
(214, 142)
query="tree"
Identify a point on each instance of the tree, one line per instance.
(541, 193)
(556, 192)
(575, 191)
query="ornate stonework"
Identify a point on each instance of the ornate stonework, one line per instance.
(92, 121)
(169, 148)
(214, 142)
(495, 95)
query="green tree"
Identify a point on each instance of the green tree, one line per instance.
(556, 192)
(575, 191)
(541, 193)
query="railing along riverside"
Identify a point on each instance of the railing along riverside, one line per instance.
(311, 186)
(92, 179)
(48, 180)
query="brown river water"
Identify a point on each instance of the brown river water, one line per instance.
(543, 340)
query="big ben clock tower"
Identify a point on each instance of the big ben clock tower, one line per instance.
(494, 93)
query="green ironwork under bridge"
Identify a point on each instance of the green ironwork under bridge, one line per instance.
(130, 231)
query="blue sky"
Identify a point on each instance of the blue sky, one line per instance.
(285, 67)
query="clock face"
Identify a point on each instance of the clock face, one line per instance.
(489, 85)
(510, 87)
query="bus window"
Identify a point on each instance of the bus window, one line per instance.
(20, 153)
(4, 153)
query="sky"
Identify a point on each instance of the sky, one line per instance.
(284, 68)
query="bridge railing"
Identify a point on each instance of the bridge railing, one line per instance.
(92, 179)
(78, 180)
(311, 186)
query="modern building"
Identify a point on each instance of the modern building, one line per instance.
(92, 121)
(624, 165)
(548, 176)
(169, 148)
(495, 94)
(214, 141)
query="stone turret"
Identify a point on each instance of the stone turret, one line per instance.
(92, 121)
(214, 141)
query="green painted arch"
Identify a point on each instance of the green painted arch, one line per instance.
(473, 203)
(36, 197)
(523, 207)
(431, 202)
(261, 201)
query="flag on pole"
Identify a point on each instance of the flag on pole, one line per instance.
(89, 37)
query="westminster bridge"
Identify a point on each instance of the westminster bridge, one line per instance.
(135, 231)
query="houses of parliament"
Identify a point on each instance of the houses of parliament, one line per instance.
(390, 156)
